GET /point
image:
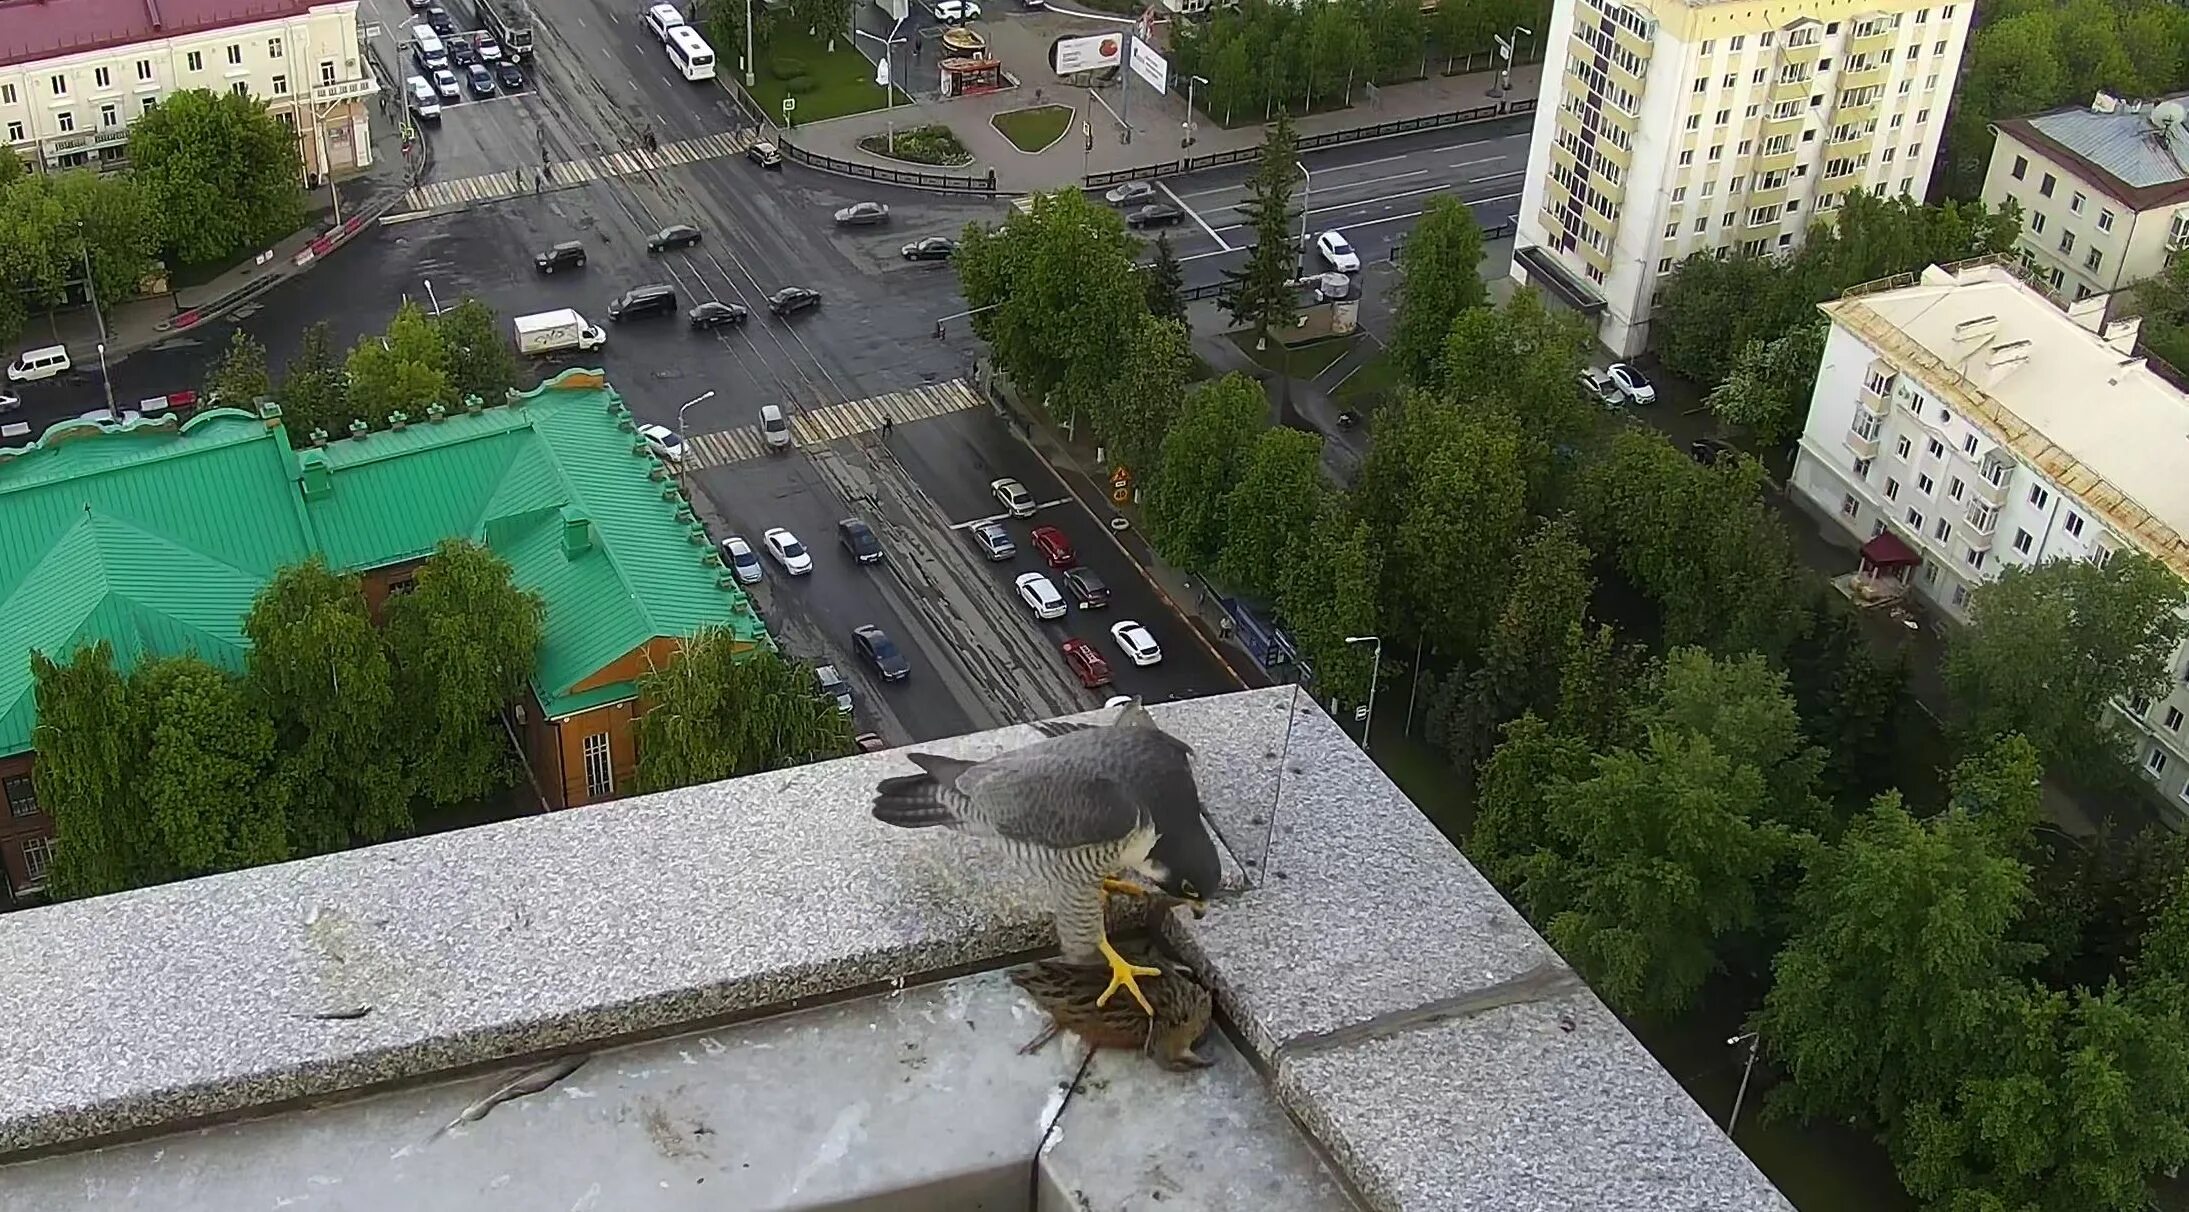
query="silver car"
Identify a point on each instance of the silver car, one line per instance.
(1130, 192)
(861, 214)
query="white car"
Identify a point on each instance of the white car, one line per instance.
(788, 551)
(663, 441)
(738, 554)
(661, 18)
(955, 11)
(1040, 596)
(1336, 253)
(1130, 192)
(1134, 641)
(1631, 384)
(444, 83)
(1013, 496)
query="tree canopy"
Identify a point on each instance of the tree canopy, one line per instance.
(1440, 275)
(721, 709)
(1258, 291)
(220, 171)
(463, 643)
(1203, 455)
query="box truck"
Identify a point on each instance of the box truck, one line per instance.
(555, 331)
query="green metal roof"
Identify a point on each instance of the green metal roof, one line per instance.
(157, 537)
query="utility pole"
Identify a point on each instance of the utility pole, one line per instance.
(91, 291)
(1368, 713)
(1752, 1040)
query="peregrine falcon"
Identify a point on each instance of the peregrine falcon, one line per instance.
(1073, 809)
(1165, 784)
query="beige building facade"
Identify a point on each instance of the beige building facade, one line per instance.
(2104, 191)
(1668, 129)
(72, 78)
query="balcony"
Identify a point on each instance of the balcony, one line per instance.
(87, 140)
(1862, 436)
(1982, 520)
(1794, 87)
(1990, 485)
(763, 1044)
(1873, 34)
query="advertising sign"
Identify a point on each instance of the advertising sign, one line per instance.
(1150, 66)
(1091, 53)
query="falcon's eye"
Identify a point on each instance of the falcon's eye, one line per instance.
(1186, 887)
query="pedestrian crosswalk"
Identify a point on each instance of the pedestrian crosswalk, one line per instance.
(491, 187)
(835, 422)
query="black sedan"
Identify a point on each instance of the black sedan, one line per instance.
(933, 248)
(793, 299)
(438, 18)
(674, 236)
(716, 314)
(1155, 214)
(1087, 589)
(511, 78)
(881, 652)
(461, 54)
(480, 79)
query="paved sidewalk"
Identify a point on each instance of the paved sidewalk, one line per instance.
(142, 323)
(1157, 124)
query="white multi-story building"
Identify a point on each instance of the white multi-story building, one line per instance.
(2104, 191)
(1966, 422)
(1665, 128)
(75, 73)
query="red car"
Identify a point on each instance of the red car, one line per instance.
(1054, 547)
(1086, 663)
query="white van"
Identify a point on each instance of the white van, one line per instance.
(661, 18)
(426, 46)
(39, 364)
(424, 102)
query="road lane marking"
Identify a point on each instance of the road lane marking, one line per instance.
(1005, 517)
(1181, 204)
(493, 187)
(821, 426)
(1360, 203)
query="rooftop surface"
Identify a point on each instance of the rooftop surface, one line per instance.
(2125, 152)
(2101, 424)
(157, 537)
(1427, 1041)
(35, 30)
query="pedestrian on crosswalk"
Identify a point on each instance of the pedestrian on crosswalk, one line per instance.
(889, 426)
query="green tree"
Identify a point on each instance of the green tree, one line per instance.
(1655, 869)
(1521, 358)
(1704, 311)
(403, 371)
(1524, 655)
(1165, 280)
(1741, 705)
(1396, 32)
(1065, 298)
(1271, 510)
(480, 360)
(2050, 646)
(11, 167)
(1339, 54)
(1602, 684)
(1204, 454)
(722, 709)
(1331, 594)
(1147, 394)
(724, 24)
(1767, 389)
(240, 379)
(1851, 698)
(321, 672)
(220, 171)
(314, 389)
(1889, 989)
(1440, 276)
(464, 643)
(1512, 799)
(86, 756)
(1258, 292)
(1463, 516)
(206, 784)
(113, 220)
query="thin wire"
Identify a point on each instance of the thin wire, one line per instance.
(1276, 795)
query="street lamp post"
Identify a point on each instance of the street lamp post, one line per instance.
(429, 296)
(748, 44)
(1506, 48)
(91, 292)
(701, 398)
(1375, 667)
(108, 381)
(1751, 1040)
(1307, 203)
(1190, 82)
(885, 74)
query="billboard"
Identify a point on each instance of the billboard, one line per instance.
(1090, 53)
(1150, 66)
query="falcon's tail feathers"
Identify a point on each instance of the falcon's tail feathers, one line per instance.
(920, 801)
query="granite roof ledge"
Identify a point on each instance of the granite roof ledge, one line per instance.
(1421, 1031)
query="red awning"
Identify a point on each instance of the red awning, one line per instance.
(1886, 550)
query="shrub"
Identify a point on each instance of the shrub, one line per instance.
(934, 144)
(799, 86)
(787, 68)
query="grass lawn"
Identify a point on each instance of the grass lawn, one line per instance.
(1032, 130)
(1376, 376)
(827, 85)
(1302, 362)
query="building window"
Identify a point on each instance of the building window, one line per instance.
(60, 86)
(1925, 485)
(1968, 444)
(1953, 488)
(1849, 506)
(1694, 122)
(2074, 524)
(2105, 220)
(600, 775)
(1702, 84)
(1960, 596)
(326, 73)
(281, 86)
(1901, 446)
(1724, 116)
(65, 121)
(2067, 241)
(1892, 488)
(1940, 531)
(1687, 157)
(1664, 265)
(1702, 225)
(1862, 468)
(144, 69)
(2022, 541)
(235, 54)
(1739, 40)
(110, 116)
(7, 94)
(2156, 764)
(2046, 185)
(2038, 496)
(149, 102)
(241, 88)
(2173, 719)
(1935, 448)
(195, 61)
(37, 859)
(1975, 558)
(1716, 150)
(15, 132)
(2075, 204)
(21, 795)
(273, 48)
(1915, 519)
(102, 78)
(2092, 259)
(2021, 167)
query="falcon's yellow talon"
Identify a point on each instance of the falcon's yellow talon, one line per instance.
(1124, 887)
(1122, 972)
